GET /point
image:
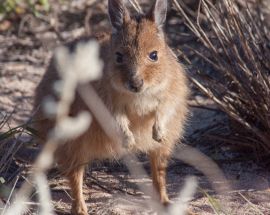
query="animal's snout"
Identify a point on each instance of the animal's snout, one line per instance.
(135, 85)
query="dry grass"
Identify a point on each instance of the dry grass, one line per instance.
(237, 49)
(11, 142)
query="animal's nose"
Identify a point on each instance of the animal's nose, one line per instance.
(135, 85)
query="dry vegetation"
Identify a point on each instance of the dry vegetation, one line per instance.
(225, 46)
(236, 46)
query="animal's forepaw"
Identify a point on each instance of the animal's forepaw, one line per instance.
(129, 141)
(157, 133)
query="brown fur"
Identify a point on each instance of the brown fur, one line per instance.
(152, 119)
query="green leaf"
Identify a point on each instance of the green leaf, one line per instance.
(7, 134)
(33, 131)
(45, 4)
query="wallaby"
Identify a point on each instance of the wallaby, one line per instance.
(145, 88)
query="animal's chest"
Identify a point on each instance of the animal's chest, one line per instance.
(142, 105)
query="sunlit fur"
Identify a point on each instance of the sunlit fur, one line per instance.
(158, 111)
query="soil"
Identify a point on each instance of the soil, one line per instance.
(26, 48)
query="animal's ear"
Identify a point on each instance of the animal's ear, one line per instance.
(158, 12)
(118, 14)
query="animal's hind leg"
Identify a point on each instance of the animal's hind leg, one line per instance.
(75, 177)
(159, 162)
(72, 158)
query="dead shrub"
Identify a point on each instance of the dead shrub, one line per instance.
(236, 45)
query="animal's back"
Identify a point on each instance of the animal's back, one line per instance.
(93, 144)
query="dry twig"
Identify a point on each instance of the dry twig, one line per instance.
(237, 48)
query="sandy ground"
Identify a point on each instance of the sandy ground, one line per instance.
(108, 187)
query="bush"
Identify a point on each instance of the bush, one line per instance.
(17, 7)
(237, 48)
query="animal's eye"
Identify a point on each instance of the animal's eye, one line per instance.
(153, 56)
(119, 57)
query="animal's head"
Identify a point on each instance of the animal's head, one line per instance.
(138, 46)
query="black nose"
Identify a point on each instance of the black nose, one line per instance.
(135, 85)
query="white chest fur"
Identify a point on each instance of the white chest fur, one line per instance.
(148, 101)
(143, 104)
